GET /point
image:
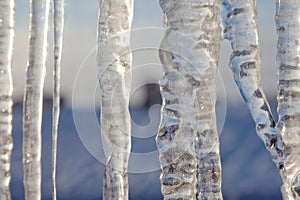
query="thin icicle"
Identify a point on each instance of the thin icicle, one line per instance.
(58, 18)
(114, 63)
(188, 140)
(33, 98)
(240, 28)
(6, 89)
(288, 57)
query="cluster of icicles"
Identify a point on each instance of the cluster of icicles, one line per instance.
(187, 140)
(33, 93)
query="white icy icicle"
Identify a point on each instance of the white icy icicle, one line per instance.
(240, 28)
(288, 57)
(188, 140)
(33, 98)
(6, 89)
(58, 18)
(114, 63)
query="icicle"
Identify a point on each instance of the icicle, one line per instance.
(240, 28)
(33, 98)
(188, 140)
(6, 89)
(114, 62)
(288, 57)
(58, 16)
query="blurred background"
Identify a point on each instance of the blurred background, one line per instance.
(248, 172)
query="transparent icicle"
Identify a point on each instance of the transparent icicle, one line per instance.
(6, 89)
(240, 28)
(114, 63)
(188, 141)
(58, 18)
(288, 57)
(33, 98)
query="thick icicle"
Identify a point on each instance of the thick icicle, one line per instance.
(58, 18)
(114, 63)
(33, 98)
(188, 140)
(240, 28)
(6, 89)
(288, 57)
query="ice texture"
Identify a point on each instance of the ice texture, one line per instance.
(58, 19)
(33, 98)
(281, 139)
(239, 20)
(114, 64)
(188, 141)
(6, 89)
(288, 57)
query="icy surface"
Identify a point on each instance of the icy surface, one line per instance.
(6, 89)
(283, 142)
(33, 98)
(240, 28)
(114, 64)
(58, 18)
(288, 57)
(188, 140)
